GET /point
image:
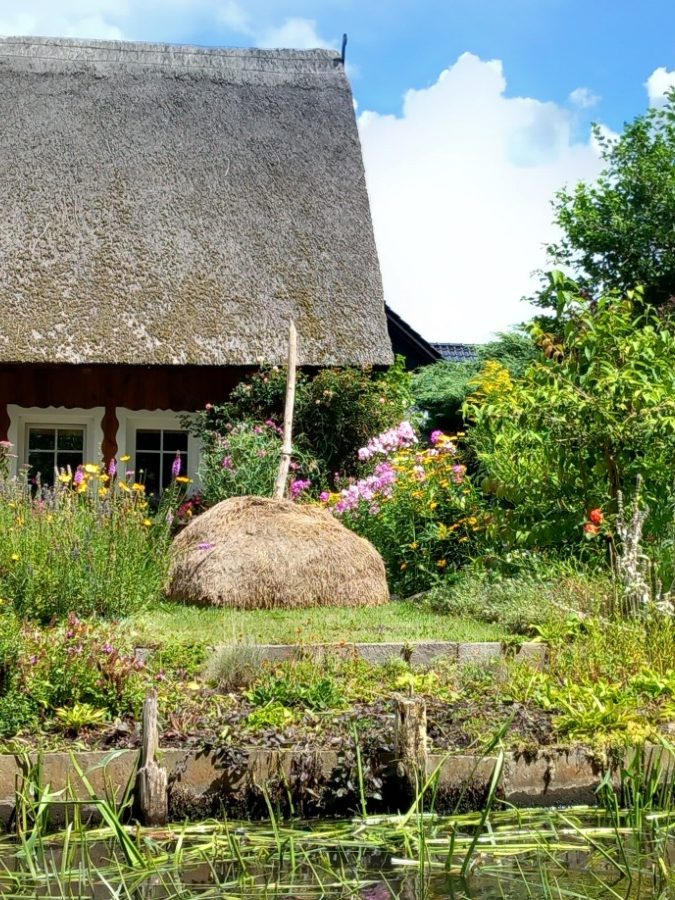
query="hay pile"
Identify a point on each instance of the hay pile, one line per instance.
(256, 553)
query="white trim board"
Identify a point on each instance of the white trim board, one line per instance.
(130, 420)
(22, 417)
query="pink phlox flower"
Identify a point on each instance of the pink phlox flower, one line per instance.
(298, 486)
(395, 439)
(227, 462)
(324, 496)
(458, 473)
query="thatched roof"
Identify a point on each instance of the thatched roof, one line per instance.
(257, 553)
(165, 204)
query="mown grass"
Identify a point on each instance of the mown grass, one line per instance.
(397, 621)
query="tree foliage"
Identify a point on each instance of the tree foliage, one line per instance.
(594, 411)
(619, 232)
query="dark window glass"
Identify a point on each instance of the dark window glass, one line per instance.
(155, 455)
(148, 471)
(50, 449)
(175, 440)
(42, 439)
(148, 440)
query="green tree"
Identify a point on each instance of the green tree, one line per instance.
(442, 388)
(619, 231)
(594, 411)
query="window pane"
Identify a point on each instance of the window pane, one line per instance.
(41, 438)
(175, 440)
(70, 439)
(147, 471)
(41, 464)
(65, 458)
(148, 440)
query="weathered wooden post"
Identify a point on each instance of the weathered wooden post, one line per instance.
(410, 735)
(287, 449)
(152, 799)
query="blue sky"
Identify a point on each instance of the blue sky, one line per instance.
(472, 113)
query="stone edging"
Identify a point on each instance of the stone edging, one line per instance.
(199, 780)
(417, 652)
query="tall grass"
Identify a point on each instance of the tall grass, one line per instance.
(96, 551)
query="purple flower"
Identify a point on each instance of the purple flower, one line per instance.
(112, 468)
(395, 439)
(324, 496)
(436, 437)
(206, 545)
(227, 463)
(78, 477)
(108, 648)
(298, 486)
(176, 466)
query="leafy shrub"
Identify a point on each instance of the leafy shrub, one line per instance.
(596, 410)
(442, 388)
(77, 663)
(418, 507)
(336, 411)
(90, 545)
(298, 686)
(245, 460)
(525, 603)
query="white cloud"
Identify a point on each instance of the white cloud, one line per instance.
(584, 98)
(658, 84)
(301, 34)
(460, 187)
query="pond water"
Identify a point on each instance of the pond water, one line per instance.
(578, 852)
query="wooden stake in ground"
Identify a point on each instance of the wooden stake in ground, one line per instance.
(151, 784)
(410, 735)
(287, 448)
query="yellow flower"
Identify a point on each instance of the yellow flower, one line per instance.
(442, 563)
(414, 545)
(82, 487)
(124, 486)
(404, 566)
(125, 458)
(139, 488)
(91, 469)
(105, 478)
(16, 557)
(102, 492)
(433, 505)
(147, 522)
(181, 479)
(65, 477)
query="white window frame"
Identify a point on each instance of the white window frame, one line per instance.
(21, 418)
(131, 421)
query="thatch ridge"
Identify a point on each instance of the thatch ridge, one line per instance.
(177, 205)
(257, 553)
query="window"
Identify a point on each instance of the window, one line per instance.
(51, 449)
(156, 450)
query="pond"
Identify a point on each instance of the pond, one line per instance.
(579, 852)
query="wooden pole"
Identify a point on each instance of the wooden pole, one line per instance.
(151, 784)
(287, 448)
(410, 735)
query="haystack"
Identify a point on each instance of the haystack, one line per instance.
(257, 553)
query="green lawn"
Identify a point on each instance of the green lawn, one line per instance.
(396, 621)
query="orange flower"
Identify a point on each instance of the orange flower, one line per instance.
(590, 528)
(596, 517)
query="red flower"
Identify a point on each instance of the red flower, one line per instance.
(590, 528)
(596, 517)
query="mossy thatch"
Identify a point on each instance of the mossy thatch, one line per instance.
(256, 553)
